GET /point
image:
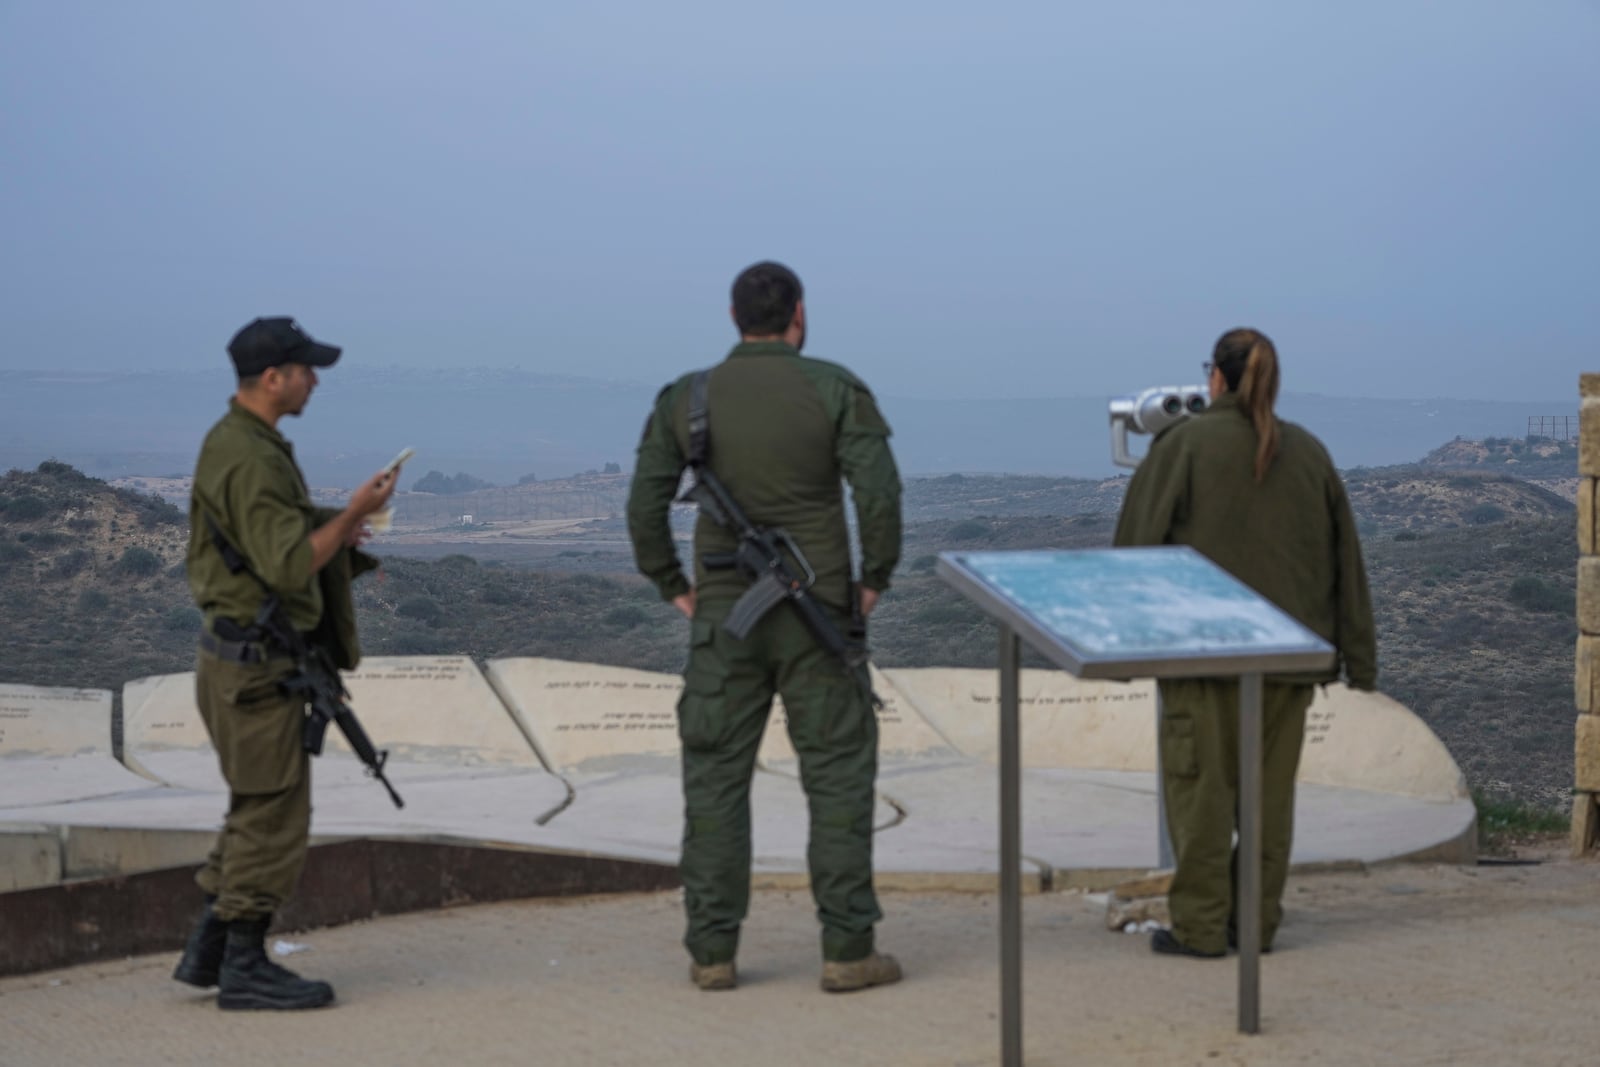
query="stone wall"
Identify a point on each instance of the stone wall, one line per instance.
(1586, 769)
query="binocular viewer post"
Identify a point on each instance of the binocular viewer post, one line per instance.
(1152, 411)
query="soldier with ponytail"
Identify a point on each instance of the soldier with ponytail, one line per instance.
(1261, 498)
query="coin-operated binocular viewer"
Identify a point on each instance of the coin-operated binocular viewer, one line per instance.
(1151, 412)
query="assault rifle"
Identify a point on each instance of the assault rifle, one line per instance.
(315, 679)
(759, 556)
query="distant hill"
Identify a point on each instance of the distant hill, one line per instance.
(91, 581)
(1425, 498)
(1533, 457)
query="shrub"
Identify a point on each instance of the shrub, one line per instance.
(181, 619)
(1408, 535)
(70, 564)
(626, 616)
(968, 530)
(923, 564)
(24, 508)
(153, 511)
(422, 609)
(412, 642)
(138, 562)
(1484, 514)
(1531, 594)
(11, 551)
(93, 601)
(947, 612)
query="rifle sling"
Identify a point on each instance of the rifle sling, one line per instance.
(699, 419)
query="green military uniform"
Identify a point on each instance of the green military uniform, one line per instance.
(784, 428)
(246, 479)
(1292, 539)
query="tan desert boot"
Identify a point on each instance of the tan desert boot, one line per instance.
(859, 974)
(712, 976)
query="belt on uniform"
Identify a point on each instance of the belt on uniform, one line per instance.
(236, 651)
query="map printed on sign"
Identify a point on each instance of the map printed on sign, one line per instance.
(1164, 609)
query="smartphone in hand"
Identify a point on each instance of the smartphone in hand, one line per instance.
(394, 464)
(381, 521)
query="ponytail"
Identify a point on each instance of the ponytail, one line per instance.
(1249, 364)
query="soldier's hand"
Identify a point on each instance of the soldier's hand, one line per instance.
(684, 602)
(374, 494)
(869, 600)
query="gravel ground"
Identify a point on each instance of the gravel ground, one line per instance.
(1395, 965)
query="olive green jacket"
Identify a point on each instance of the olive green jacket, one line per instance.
(247, 480)
(784, 428)
(1291, 538)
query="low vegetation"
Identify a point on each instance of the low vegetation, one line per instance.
(1475, 614)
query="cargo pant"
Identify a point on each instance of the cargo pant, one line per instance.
(1200, 765)
(256, 731)
(727, 697)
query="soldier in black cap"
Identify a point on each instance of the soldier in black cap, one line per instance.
(247, 482)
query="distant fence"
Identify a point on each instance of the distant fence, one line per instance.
(1555, 427)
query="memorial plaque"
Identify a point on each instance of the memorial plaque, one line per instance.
(1068, 722)
(433, 709)
(159, 714)
(580, 713)
(55, 746)
(39, 721)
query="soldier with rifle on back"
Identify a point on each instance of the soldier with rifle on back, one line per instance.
(767, 435)
(271, 572)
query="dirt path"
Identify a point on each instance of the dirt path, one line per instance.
(1399, 965)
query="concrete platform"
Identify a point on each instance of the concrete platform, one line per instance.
(579, 758)
(55, 751)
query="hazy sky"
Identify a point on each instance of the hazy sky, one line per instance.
(985, 199)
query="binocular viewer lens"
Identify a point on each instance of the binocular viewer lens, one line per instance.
(1150, 412)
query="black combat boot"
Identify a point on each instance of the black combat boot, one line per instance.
(202, 956)
(249, 981)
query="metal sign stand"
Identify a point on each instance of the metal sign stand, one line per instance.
(1010, 848)
(1244, 659)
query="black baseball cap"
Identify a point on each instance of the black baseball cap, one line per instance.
(276, 341)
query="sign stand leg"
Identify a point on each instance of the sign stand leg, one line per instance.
(1010, 851)
(1249, 887)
